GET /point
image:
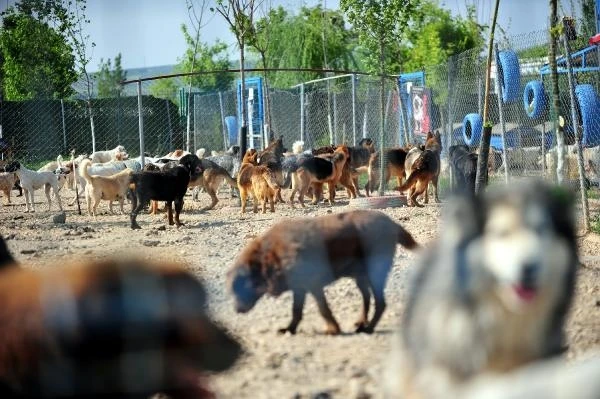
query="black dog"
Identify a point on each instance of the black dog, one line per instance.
(5, 256)
(169, 185)
(464, 168)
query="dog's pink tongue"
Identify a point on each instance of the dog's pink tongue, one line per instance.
(526, 294)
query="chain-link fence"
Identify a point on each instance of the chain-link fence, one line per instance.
(344, 109)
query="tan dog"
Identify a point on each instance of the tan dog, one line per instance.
(109, 188)
(305, 255)
(258, 181)
(7, 182)
(317, 171)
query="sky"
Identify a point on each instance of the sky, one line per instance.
(147, 32)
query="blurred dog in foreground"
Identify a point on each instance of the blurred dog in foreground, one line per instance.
(492, 295)
(305, 255)
(110, 329)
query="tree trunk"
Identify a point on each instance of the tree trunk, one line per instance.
(560, 137)
(484, 146)
(267, 99)
(381, 114)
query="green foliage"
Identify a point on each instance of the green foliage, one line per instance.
(436, 35)
(380, 24)
(166, 89)
(37, 60)
(284, 40)
(109, 78)
(207, 58)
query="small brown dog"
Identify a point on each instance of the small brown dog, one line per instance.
(317, 171)
(7, 182)
(260, 182)
(110, 188)
(305, 255)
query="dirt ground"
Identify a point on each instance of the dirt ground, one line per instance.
(307, 365)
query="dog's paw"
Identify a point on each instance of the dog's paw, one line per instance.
(286, 330)
(364, 328)
(135, 227)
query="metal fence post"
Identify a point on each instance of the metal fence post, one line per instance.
(576, 128)
(302, 116)
(501, 115)
(224, 126)
(170, 126)
(353, 77)
(141, 122)
(64, 124)
(334, 136)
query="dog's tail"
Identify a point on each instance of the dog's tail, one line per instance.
(412, 179)
(59, 160)
(230, 180)
(270, 178)
(83, 170)
(406, 239)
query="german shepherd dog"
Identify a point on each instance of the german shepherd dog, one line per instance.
(258, 181)
(271, 157)
(317, 171)
(463, 164)
(305, 255)
(424, 170)
(211, 179)
(493, 293)
(393, 164)
(168, 185)
(358, 162)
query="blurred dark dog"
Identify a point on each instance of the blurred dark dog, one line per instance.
(493, 294)
(463, 164)
(305, 255)
(110, 329)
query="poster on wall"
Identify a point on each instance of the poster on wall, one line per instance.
(421, 110)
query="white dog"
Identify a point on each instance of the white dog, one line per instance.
(116, 154)
(32, 180)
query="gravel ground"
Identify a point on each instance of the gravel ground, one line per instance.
(307, 365)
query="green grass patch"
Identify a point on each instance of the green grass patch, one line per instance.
(593, 194)
(595, 224)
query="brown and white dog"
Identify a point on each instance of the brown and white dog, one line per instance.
(108, 188)
(304, 255)
(113, 329)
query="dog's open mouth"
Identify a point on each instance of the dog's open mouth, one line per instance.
(525, 293)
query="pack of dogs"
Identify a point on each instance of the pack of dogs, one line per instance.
(486, 307)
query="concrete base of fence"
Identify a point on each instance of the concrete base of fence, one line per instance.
(385, 201)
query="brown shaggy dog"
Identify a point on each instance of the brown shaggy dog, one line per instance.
(7, 182)
(258, 181)
(317, 171)
(110, 329)
(393, 164)
(425, 169)
(109, 188)
(305, 255)
(271, 157)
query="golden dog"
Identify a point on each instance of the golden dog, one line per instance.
(109, 188)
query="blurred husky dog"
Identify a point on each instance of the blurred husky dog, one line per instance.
(492, 295)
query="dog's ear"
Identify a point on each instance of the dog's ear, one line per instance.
(429, 135)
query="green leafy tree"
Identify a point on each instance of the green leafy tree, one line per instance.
(205, 57)
(37, 59)
(379, 23)
(239, 15)
(109, 78)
